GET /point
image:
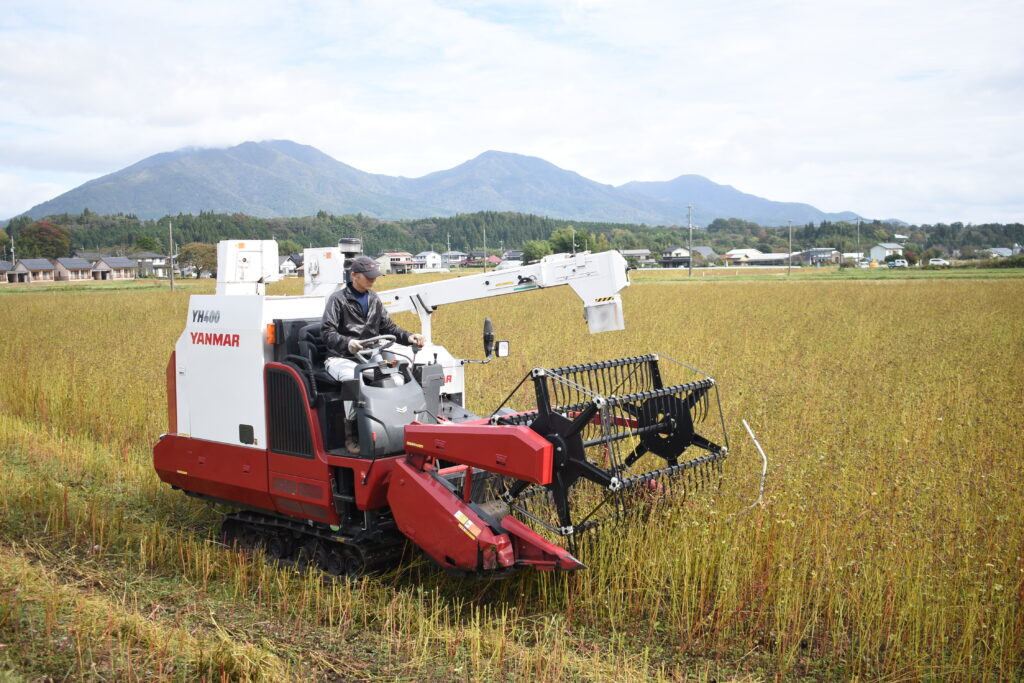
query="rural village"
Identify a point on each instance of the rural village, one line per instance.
(95, 267)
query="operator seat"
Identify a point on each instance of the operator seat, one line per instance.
(312, 348)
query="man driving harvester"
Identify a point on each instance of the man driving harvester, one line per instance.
(353, 314)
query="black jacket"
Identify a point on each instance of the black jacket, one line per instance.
(343, 321)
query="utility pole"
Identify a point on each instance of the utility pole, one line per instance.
(860, 255)
(689, 222)
(789, 269)
(170, 252)
(485, 249)
(573, 233)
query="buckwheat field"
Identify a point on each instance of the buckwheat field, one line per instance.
(888, 545)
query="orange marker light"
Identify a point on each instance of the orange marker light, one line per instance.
(271, 333)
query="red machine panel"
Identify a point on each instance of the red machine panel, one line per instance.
(233, 473)
(514, 451)
(442, 524)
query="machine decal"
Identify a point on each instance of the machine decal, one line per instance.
(201, 316)
(467, 525)
(215, 339)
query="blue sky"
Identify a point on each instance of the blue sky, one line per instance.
(911, 110)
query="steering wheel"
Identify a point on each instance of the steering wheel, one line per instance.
(372, 345)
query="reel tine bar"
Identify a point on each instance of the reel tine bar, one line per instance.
(603, 418)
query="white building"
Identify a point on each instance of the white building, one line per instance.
(881, 251)
(453, 258)
(675, 257)
(739, 256)
(286, 265)
(431, 261)
(148, 263)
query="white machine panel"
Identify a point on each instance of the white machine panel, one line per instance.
(220, 359)
(324, 270)
(245, 266)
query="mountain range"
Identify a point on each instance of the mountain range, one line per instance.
(280, 178)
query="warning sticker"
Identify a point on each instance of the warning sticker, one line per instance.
(467, 525)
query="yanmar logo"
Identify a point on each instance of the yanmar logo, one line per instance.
(214, 339)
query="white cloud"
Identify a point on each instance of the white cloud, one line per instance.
(907, 109)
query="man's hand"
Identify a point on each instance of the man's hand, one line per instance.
(417, 339)
(354, 346)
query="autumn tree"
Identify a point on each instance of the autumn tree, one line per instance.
(43, 239)
(198, 255)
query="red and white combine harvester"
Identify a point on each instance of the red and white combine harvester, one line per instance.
(255, 423)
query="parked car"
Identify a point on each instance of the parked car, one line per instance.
(864, 264)
(899, 263)
(940, 262)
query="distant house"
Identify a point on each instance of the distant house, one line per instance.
(384, 263)
(430, 261)
(286, 265)
(32, 270)
(817, 256)
(149, 264)
(512, 255)
(5, 268)
(883, 250)
(759, 259)
(453, 258)
(398, 261)
(114, 268)
(738, 257)
(997, 252)
(708, 254)
(638, 257)
(73, 269)
(675, 257)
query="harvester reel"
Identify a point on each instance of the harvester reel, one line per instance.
(673, 416)
(602, 418)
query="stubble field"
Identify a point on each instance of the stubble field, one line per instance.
(889, 545)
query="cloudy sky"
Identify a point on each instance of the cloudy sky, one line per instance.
(910, 109)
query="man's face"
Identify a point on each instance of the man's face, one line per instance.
(362, 283)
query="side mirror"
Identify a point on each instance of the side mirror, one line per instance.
(491, 348)
(488, 338)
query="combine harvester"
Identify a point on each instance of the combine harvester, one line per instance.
(255, 423)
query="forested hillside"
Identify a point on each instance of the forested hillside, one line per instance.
(506, 230)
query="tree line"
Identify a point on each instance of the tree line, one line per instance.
(64, 234)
